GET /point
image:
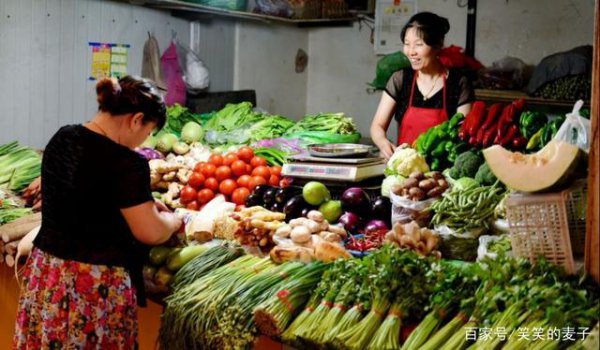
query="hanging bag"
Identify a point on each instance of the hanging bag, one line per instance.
(176, 91)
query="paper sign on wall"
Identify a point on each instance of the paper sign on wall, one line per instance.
(108, 60)
(390, 18)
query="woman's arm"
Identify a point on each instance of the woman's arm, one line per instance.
(464, 109)
(380, 124)
(149, 224)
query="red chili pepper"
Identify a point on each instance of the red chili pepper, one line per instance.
(475, 117)
(519, 142)
(488, 137)
(494, 112)
(512, 132)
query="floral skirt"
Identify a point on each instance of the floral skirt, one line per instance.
(66, 304)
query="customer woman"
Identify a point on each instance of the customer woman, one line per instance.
(83, 279)
(425, 94)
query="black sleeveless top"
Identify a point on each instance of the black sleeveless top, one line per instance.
(458, 92)
(86, 180)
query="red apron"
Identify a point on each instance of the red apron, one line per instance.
(417, 120)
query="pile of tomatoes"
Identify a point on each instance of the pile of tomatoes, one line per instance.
(233, 175)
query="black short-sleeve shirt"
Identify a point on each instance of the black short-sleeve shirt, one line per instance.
(86, 180)
(458, 92)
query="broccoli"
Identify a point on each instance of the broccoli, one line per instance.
(485, 176)
(466, 164)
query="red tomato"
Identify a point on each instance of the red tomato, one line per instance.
(245, 153)
(257, 161)
(198, 167)
(205, 195)
(244, 181)
(193, 205)
(196, 180)
(274, 180)
(238, 168)
(187, 194)
(239, 195)
(223, 172)
(208, 170)
(212, 184)
(216, 160)
(248, 169)
(229, 158)
(262, 170)
(227, 186)
(255, 181)
(276, 170)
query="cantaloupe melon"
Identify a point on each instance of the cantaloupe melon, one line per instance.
(545, 170)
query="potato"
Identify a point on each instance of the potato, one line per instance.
(410, 182)
(436, 175)
(436, 192)
(397, 189)
(443, 183)
(312, 226)
(416, 194)
(417, 175)
(427, 184)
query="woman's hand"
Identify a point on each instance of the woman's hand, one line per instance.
(386, 148)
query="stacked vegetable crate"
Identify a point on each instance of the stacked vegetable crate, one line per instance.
(549, 225)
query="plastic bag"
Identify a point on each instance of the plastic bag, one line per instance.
(459, 246)
(484, 243)
(405, 210)
(280, 8)
(576, 130)
(506, 73)
(176, 91)
(195, 73)
(386, 66)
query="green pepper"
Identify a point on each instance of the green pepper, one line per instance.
(434, 137)
(457, 118)
(452, 156)
(439, 149)
(420, 141)
(449, 146)
(435, 165)
(530, 122)
(536, 139)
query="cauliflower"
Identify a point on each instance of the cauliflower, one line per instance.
(405, 161)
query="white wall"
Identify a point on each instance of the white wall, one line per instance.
(45, 59)
(265, 61)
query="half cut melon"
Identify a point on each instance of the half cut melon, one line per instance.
(545, 170)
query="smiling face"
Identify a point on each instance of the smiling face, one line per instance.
(418, 52)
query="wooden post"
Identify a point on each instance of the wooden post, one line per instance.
(592, 251)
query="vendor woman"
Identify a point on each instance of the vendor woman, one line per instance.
(425, 94)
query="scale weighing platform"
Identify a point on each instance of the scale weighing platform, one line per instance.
(334, 168)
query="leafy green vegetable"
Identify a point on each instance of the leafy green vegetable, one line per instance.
(19, 166)
(177, 117)
(233, 116)
(335, 123)
(270, 127)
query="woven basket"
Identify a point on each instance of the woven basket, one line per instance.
(550, 225)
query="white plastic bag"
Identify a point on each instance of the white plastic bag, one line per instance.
(405, 210)
(484, 243)
(195, 73)
(576, 130)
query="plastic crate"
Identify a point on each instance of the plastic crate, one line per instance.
(550, 225)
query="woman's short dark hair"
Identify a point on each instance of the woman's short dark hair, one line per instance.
(430, 27)
(132, 94)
